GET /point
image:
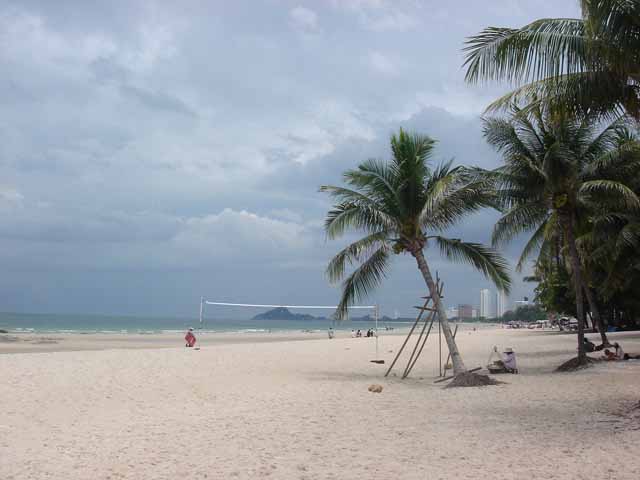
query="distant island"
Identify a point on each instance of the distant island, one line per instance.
(282, 313)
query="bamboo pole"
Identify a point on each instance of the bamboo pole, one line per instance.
(429, 320)
(415, 348)
(406, 340)
(408, 371)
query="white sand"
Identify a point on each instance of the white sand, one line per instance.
(301, 409)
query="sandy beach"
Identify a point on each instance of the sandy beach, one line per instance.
(281, 408)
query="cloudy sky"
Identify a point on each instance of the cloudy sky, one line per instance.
(153, 152)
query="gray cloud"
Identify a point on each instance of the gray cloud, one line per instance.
(176, 150)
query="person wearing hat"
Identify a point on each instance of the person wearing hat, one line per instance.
(509, 360)
(190, 338)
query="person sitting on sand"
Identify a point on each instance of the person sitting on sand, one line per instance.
(509, 360)
(358, 333)
(619, 352)
(609, 356)
(190, 338)
(506, 364)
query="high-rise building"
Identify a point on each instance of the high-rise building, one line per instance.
(502, 303)
(486, 304)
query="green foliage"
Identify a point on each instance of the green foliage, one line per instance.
(526, 313)
(585, 66)
(400, 206)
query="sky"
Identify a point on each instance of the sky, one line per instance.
(153, 152)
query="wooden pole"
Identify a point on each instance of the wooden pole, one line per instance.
(432, 317)
(376, 314)
(415, 348)
(408, 370)
(406, 340)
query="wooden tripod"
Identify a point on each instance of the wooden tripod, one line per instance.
(427, 325)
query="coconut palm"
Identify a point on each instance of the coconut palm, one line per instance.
(612, 244)
(556, 171)
(590, 65)
(403, 206)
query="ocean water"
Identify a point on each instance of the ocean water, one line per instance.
(49, 323)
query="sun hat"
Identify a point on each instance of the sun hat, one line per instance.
(508, 350)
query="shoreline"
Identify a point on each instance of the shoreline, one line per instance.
(38, 342)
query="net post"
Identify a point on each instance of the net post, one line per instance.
(201, 311)
(376, 315)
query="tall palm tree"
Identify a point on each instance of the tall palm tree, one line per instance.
(556, 170)
(403, 206)
(590, 65)
(612, 243)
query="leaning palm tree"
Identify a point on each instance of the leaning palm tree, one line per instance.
(557, 171)
(403, 206)
(590, 65)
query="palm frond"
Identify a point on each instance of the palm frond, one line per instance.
(456, 194)
(532, 246)
(519, 219)
(613, 191)
(483, 258)
(363, 280)
(353, 253)
(541, 49)
(350, 216)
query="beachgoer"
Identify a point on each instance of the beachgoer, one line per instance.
(358, 333)
(331, 333)
(190, 338)
(619, 352)
(609, 356)
(353, 333)
(509, 360)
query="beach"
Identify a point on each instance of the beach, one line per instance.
(297, 406)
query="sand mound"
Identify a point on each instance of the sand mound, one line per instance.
(575, 364)
(468, 379)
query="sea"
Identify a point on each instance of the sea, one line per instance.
(87, 324)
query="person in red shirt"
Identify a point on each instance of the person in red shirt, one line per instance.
(190, 338)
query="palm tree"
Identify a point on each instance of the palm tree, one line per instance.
(403, 206)
(558, 169)
(612, 244)
(589, 65)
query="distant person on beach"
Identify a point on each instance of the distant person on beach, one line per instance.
(353, 333)
(331, 333)
(609, 356)
(190, 338)
(619, 352)
(358, 333)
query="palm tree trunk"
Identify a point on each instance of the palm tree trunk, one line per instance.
(595, 313)
(577, 282)
(456, 358)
